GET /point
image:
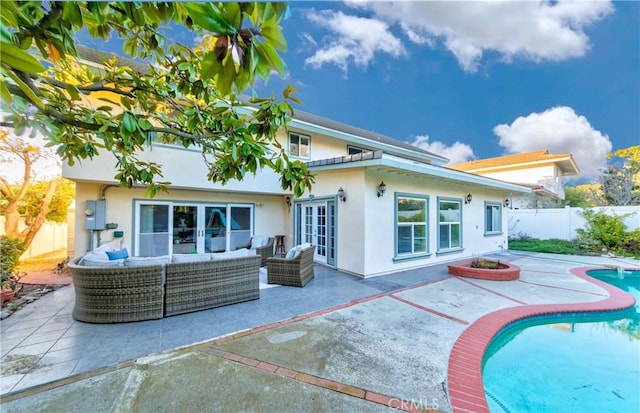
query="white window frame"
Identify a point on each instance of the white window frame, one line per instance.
(449, 225)
(300, 137)
(495, 227)
(412, 225)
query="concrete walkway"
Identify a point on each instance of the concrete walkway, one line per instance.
(339, 344)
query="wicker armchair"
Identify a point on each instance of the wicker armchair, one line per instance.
(263, 252)
(296, 271)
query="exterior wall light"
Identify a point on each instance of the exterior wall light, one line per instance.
(342, 195)
(381, 189)
(468, 199)
(506, 203)
(287, 201)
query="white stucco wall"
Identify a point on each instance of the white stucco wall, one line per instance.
(321, 146)
(366, 223)
(351, 228)
(380, 221)
(185, 168)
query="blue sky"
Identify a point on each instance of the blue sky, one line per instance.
(473, 80)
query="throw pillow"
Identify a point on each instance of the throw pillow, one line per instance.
(142, 261)
(291, 253)
(103, 248)
(102, 264)
(118, 255)
(241, 253)
(303, 246)
(259, 241)
(190, 257)
(99, 253)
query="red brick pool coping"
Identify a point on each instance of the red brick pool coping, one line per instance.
(466, 390)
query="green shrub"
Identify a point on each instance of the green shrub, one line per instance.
(630, 244)
(602, 231)
(10, 251)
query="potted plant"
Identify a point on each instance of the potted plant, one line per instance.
(488, 264)
(9, 284)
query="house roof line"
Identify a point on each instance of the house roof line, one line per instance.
(380, 158)
(305, 120)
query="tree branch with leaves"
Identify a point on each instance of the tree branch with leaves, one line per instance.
(183, 94)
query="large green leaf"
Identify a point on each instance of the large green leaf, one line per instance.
(29, 93)
(18, 59)
(273, 33)
(209, 17)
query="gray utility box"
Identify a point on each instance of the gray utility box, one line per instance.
(95, 214)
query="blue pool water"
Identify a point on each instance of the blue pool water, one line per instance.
(570, 363)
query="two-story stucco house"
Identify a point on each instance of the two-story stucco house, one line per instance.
(539, 170)
(379, 205)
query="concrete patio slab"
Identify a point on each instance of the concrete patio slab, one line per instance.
(457, 298)
(383, 345)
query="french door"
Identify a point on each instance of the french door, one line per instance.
(315, 224)
(180, 228)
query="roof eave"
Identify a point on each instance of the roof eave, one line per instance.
(394, 162)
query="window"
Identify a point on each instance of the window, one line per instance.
(352, 150)
(299, 145)
(411, 225)
(450, 223)
(492, 218)
(153, 234)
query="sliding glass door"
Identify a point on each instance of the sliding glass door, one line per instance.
(182, 228)
(152, 236)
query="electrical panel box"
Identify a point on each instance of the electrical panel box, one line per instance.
(95, 214)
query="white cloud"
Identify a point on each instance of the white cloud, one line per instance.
(534, 30)
(456, 153)
(307, 38)
(353, 38)
(559, 130)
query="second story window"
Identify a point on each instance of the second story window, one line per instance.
(299, 145)
(352, 150)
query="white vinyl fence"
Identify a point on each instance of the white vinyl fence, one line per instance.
(561, 223)
(51, 237)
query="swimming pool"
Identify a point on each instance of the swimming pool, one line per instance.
(569, 363)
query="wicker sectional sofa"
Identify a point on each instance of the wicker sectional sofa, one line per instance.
(134, 293)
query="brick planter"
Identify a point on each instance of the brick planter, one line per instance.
(508, 272)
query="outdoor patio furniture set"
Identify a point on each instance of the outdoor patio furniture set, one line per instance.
(146, 288)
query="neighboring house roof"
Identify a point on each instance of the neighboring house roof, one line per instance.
(518, 161)
(540, 190)
(409, 167)
(305, 120)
